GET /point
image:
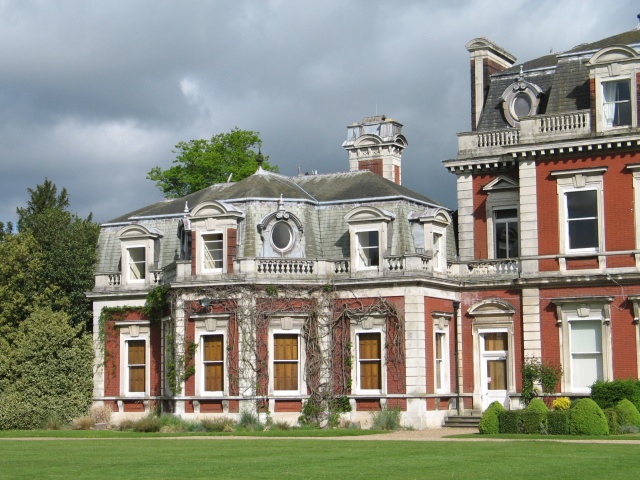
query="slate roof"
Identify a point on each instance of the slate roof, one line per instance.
(563, 77)
(263, 185)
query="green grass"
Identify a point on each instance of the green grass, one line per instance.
(97, 434)
(573, 438)
(305, 458)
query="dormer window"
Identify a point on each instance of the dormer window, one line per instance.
(282, 234)
(139, 253)
(215, 227)
(136, 260)
(430, 236)
(213, 248)
(368, 233)
(519, 100)
(613, 71)
(617, 103)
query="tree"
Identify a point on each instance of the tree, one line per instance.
(67, 246)
(200, 163)
(46, 373)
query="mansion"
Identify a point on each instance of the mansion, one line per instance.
(279, 291)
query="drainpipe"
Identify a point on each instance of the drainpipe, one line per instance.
(456, 306)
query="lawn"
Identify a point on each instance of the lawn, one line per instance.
(309, 458)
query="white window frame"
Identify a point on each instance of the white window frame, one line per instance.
(603, 85)
(439, 246)
(505, 221)
(573, 181)
(132, 331)
(204, 250)
(210, 325)
(574, 309)
(130, 261)
(272, 363)
(441, 370)
(360, 250)
(368, 219)
(369, 325)
(288, 325)
(610, 64)
(502, 194)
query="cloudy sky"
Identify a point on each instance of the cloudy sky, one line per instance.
(93, 94)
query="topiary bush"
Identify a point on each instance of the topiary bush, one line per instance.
(489, 423)
(627, 413)
(587, 418)
(612, 420)
(510, 421)
(558, 422)
(534, 417)
(608, 394)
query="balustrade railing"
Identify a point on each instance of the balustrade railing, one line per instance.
(409, 264)
(286, 266)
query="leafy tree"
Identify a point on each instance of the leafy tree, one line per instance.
(44, 197)
(46, 373)
(200, 163)
(67, 246)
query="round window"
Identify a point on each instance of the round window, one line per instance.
(522, 105)
(282, 236)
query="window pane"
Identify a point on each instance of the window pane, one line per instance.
(582, 217)
(586, 352)
(136, 263)
(214, 377)
(369, 349)
(617, 103)
(495, 342)
(522, 105)
(212, 250)
(497, 372)
(285, 362)
(213, 348)
(582, 204)
(281, 235)
(285, 376)
(368, 248)
(583, 234)
(136, 365)
(213, 359)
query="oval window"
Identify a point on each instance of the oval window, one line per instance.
(522, 105)
(281, 236)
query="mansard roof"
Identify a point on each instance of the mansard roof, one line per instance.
(268, 186)
(562, 77)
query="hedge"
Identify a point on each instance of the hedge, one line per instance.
(558, 422)
(587, 418)
(627, 413)
(609, 394)
(489, 423)
(510, 421)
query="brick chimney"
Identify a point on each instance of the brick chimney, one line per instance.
(486, 59)
(376, 144)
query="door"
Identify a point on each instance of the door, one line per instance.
(494, 361)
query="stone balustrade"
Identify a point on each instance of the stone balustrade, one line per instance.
(250, 269)
(537, 128)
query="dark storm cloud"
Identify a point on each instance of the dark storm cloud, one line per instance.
(94, 94)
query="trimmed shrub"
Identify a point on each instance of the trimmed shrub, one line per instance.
(386, 419)
(608, 394)
(558, 422)
(587, 418)
(510, 421)
(612, 420)
(489, 423)
(534, 417)
(562, 403)
(627, 413)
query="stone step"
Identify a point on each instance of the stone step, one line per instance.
(462, 421)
